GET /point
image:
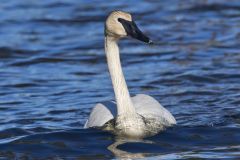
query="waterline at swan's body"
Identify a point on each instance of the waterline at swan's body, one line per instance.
(146, 122)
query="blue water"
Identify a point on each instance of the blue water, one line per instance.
(53, 71)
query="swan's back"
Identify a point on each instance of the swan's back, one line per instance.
(155, 116)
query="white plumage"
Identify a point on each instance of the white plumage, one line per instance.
(145, 105)
(137, 116)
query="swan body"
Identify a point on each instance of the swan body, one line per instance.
(139, 116)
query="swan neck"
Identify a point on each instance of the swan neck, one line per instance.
(124, 103)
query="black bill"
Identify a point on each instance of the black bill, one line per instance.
(133, 31)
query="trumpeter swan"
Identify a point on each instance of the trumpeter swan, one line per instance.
(134, 117)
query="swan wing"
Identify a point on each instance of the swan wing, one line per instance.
(145, 105)
(101, 114)
(149, 107)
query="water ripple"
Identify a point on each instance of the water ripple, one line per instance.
(53, 71)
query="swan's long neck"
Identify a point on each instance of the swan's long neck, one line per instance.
(124, 103)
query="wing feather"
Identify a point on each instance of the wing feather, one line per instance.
(145, 105)
(101, 114)
(148, 107)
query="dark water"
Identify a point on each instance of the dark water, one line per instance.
(53, 70)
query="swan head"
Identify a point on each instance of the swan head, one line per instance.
(120, 24)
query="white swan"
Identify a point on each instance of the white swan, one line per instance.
(137, 116)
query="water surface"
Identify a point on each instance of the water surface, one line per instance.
(53, 71)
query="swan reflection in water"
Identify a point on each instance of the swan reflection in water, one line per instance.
(124, 154)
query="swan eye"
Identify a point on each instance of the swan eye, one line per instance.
(119, 19)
